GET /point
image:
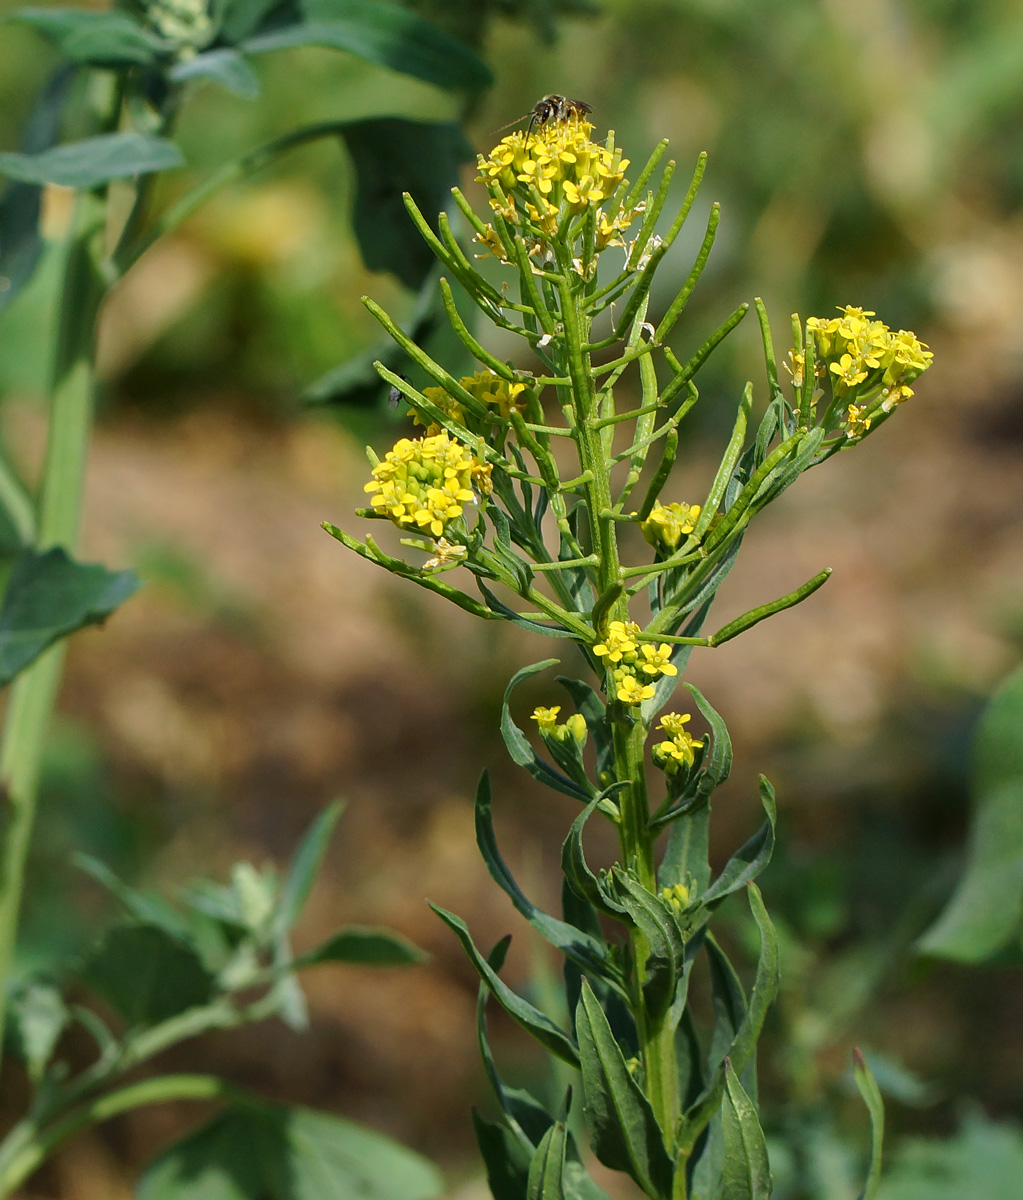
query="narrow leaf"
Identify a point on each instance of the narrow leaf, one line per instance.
(589, 952)
(546, 1032)
(521, 750)
(101, 39)
(547, 1169)
(223, 66)
(871, 1093)
(750, 859)
(94, 161)
(986, 910)
(49, 596)
(747, 1174)
(626, 1136)
(305, 866)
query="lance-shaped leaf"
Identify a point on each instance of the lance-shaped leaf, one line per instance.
(625, 1133)
(304, 867)
(101, 39)
(39, 1017)
(589, 952)
(751, 858)
(986, 910)
(546, 1032)
(94, 161)
(729, 1002)
(520, 748)
(546, 1171)
(577, 872)
(498, 608)
(666, 955)
(359, 944)
(505, 1159)
(49, 596)
(747, 1173)
(871, 1093)
(698, 1114)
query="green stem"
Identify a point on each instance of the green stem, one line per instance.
(27, 1146)
(34, 692)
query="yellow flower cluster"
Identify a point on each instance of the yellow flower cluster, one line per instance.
(550, 171)
(679, 750)
(574, 726)
(634, 664)
(486, 386)
(675, 897)
(425, 482)
(855, 350)
(664, 528)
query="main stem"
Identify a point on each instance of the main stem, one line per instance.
(656, 1038)
(34, 692)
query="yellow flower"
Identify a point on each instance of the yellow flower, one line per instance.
(855, 424)
(678, 752)
(620, 642)
(631, 691)
(426, 482)
(674, 723)
(547, 718)
(667, 523)
(576, 726)
(658, 661)
(849, 371)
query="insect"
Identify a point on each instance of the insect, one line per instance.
(550, 108)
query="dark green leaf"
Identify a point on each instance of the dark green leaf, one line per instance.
(369, 947)
(667, 947)
(626, 1136)
(729, 1002)
(531, 1019)
(747, 1174)
(21, 244)
(38, 1018)
(242, 18)
(49, 596)
(589, 952)
(145, 908)
(985, 912)
(868, 1089)
(509, 614)
(146, 974)
(305, 866)
(384, 34)
(101, 39)
(223, 66)
(744, 1044)
(548, 1166)
(520, 748)
(505, 1158)
(94, 161)
(269, 1152)
(392, 156)
(577, 872)
(686, 855)
(750, 859)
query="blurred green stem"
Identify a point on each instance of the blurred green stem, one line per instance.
(34, 692)
(28, 1145)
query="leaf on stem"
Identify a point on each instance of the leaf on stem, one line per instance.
(280, 1153)
(364, 946)
(546, 1032)
(589, 952)
(985, 913)
(94, 161)
(49, 595)
(751, 858)
(98, 39)
(871, 1093)
(547, 1169)
(747, 1173)
(384, 34)
(38, 1018)
(147, 974)
(304, 867)
(626, 1136)
(521, 750)
(224, 66)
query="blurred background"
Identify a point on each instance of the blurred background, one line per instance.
(867, 154)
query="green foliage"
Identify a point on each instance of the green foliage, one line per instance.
(271, 1152)
(984, 915)
(746, 1175)
(94, 161)
(983, 1160)
(49, 596)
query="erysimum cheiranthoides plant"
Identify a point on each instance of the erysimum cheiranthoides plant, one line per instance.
(670, 1103)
